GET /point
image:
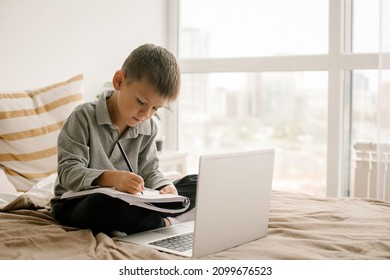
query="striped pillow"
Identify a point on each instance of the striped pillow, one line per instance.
(30, 122)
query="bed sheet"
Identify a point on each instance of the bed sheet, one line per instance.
(300, 227)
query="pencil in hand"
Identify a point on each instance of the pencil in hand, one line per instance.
(126, 159)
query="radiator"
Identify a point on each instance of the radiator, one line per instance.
(372, 170)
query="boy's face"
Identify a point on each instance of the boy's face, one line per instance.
(136, 101)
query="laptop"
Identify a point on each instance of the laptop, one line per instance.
(232, 206)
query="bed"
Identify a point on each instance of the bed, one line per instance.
(300, 226)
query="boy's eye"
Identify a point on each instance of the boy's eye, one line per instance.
(140, 102)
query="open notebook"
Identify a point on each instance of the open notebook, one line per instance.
(232, 206)
(150, 199)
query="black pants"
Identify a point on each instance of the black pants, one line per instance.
(103, 213)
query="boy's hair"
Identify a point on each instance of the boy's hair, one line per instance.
(158, 66)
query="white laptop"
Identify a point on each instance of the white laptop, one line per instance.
(232, 206)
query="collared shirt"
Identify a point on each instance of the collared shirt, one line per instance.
(87, 147)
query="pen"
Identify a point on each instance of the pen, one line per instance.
(126, 159)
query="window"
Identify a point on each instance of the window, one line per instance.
(370, 113)
(224, 112)
(231, 28)
(278, 74)
(366, 26)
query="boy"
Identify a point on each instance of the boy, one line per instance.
(88, 155)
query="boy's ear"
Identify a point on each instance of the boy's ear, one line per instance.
(118, 79)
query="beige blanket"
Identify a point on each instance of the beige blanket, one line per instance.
(300, 227)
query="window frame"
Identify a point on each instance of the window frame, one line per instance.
(338, 63)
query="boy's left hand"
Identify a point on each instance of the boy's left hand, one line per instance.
(168, 189)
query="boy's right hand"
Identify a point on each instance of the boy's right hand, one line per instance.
(129, 182)
(122, 180)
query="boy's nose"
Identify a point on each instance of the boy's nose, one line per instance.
(144, 114)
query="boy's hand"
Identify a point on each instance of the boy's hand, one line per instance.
(122, 180)
(168, 189)
(129, 182)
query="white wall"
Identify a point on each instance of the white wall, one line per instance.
(45, 41)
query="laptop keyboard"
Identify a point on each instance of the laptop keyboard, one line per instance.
(180, 243)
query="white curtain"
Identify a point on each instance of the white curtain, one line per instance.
(372, 169)
(383, 131)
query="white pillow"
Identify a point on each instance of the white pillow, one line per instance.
(5, 185)
(30, 122)
(45, 187)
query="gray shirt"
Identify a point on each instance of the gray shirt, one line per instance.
(87, 147)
